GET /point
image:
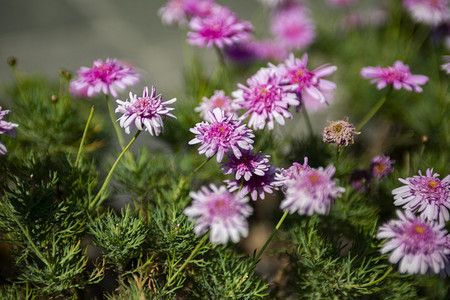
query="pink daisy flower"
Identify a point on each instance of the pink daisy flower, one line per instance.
(106, 77)
(418, 245)
(312, 191)
(265, 99)
(399, 76)
(256, 185)
(6, 127)
(223, 213)
(221, 28)
(427, 195)
(292, 26)
(248, 165)
(381, 166)
(314, 91)
(218, 100)
(269, 50)
(146, 112)
(431, 12)
(221, 135)
(283, 176)
(179, 11)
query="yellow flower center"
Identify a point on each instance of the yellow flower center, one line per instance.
(432, 183)
(419, 229)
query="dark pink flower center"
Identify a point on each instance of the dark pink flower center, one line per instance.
(221, 207)
(392, 75)
(302, 77)
(146, 105)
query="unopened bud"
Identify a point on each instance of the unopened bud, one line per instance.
(424, 139)
(64, 73)
(11, 61)
(54, 98)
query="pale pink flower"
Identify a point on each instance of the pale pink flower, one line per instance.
(399, 76)
(218, 100)
(146, 112)
(283, 176)
(314, 91)
(431, 12)
(221, 135)
(221, 28)
(292, 26)
(418, 245)
(225, 214)
(427, 195)
(180, 11)
(6, 127)
(265, 99)
(106, 77)
(269, 49)
(446, 65)
(311, 191)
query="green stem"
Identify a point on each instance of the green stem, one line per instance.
(27, 235)
(19, 85)
(338, 153)
(389, 270)
(184, 180)
(308, 121)
(374, 110)
(94, 202)
(220, 56)
(193, 254)
(271, 236)
(116, 126)
(84, 136)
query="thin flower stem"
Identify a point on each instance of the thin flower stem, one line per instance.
(96, 200)
(184, 180)
(271, 236)
(19, 85)
(84, 136)
(27, 235)
(220, 56)
(116, 126)
(338, 153)
(374, 110)
(308, 121)
(193, 254)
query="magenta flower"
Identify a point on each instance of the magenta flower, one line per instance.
(283, 176)
(106, 77)
(221, 28)
(248, 165)
(381, 166)
(223, 213)
(221, 135)
(147, 111)
(269, 49)
(398, 75)
(256, 185)
(218, 100)
(265, 99)
(312, 191)
(425, 194)
(292, 26)
(314, 91)
(431, 12)
(6, 127)
(418, 245)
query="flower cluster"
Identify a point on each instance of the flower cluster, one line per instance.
(220, 135)
(105, 76)
(340, 133)
(265, 99)
(398, 75)
(426, 194)
(146, 112)
(225, 214)
(5, 127)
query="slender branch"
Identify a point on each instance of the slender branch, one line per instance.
(308, 121)
(108, 178)
(374, 110)
(84, 136)
(184, 180)
(388, 271)
(116, 126)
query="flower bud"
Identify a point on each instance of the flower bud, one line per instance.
(11, 61)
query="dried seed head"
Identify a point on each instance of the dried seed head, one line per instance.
(339, 132)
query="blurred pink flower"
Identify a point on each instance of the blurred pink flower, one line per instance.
(341, 2)
(399, 76)
(431, 12)
(219, 100)
(6, 127)
(179, 11)
(292, 26)
(225, 214)
(106, 77)
(381, 166)
(265, 99)
(220, 28)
